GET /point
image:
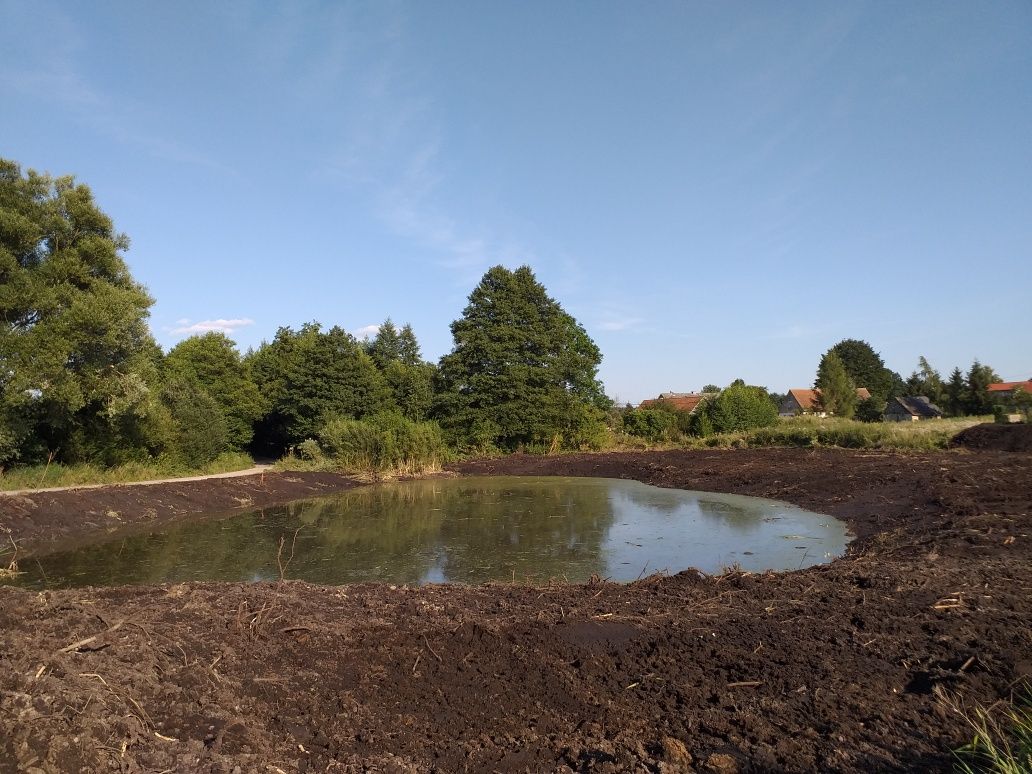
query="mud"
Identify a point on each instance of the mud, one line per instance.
(1013, 438)
(865, 664)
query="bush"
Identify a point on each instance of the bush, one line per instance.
(870, 409)
(199, 432)
(653, 425)
(384, 443)
(741, 407)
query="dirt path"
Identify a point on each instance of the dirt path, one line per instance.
(862, 665)
(261, 468)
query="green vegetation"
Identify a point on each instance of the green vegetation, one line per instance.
(522, 374)
(845, 433)
(864, 367)
(1000, 745)
(82, 474)
(838, 390)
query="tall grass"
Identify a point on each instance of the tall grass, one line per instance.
(1001, 745)
(385, 444)
(44, 476)
(844, 433)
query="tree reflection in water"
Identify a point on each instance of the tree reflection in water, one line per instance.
(467, 530)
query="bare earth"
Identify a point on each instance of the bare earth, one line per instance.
(854, 666)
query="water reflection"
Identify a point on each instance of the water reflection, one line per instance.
(466, 530)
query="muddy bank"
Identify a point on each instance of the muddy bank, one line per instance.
(36, 521)
(853, 666)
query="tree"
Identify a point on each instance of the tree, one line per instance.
(711, 388)
(955, 394)
(199, 432)
(309, 376)
(386, 345)
(522, 371)
(926, 381)
(838, 392)
(870, 409)
(865, 367)
(408, 347)
(213, 362)
(78, 372)
(738, 407)
(411, 387)
(977, 398)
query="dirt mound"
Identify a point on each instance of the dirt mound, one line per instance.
(1009, 438)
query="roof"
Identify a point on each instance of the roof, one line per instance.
(808, 398)
(681, 401)
(917, 406)
(1011, 386)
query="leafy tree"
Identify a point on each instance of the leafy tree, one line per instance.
(308, 376)
(977, 398)
(838, 392)
(522, 370)
(411, 387)
(739, 407)
(956, 394)
(711, 388)
(213, 362)
(77, 362)
(926, 381)
(865, 368)
(199, 432)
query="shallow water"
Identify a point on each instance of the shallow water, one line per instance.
(467, 530)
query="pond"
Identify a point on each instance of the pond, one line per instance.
(467, 530)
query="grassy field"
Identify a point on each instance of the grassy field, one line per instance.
(829, 431)
(42, 476)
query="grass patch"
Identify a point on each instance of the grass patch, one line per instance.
(843, 433)
(1002, 743)
(43, 476)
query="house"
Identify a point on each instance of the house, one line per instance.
(911, 409)
(801, 401)
(679, 401)
(1005, 390)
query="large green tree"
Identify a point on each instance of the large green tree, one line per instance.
(866, 368)
(522, 371)
(78, 366)
(309, 376)
(838, 392)
(212, 360)
(926, 381)
(977, 399)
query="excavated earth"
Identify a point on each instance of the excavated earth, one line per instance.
(867, 664)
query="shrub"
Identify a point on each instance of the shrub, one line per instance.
(653, 425)
(741, 407)
(870, 409)
(199, 432)
(384, 443)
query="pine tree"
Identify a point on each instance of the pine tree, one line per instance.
(977, 398)
(386, 346)
(955, 394)
(408, 347)
(522, 371)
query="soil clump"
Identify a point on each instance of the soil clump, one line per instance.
(863, 664)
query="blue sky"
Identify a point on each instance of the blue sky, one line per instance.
(714, 190)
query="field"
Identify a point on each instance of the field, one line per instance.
(872, 663)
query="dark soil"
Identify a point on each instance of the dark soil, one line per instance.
(860, 665)
(1011, 438)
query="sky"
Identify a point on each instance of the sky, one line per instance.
(713, 190)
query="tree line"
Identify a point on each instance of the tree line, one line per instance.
(853, 363)
(82, 380)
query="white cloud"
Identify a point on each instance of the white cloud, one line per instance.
(367, 332)
(185, 327)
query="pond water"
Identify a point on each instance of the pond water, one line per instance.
(467, 530)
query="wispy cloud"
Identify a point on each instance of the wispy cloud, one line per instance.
(620, 323)
(185, 327)
(366, 332)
